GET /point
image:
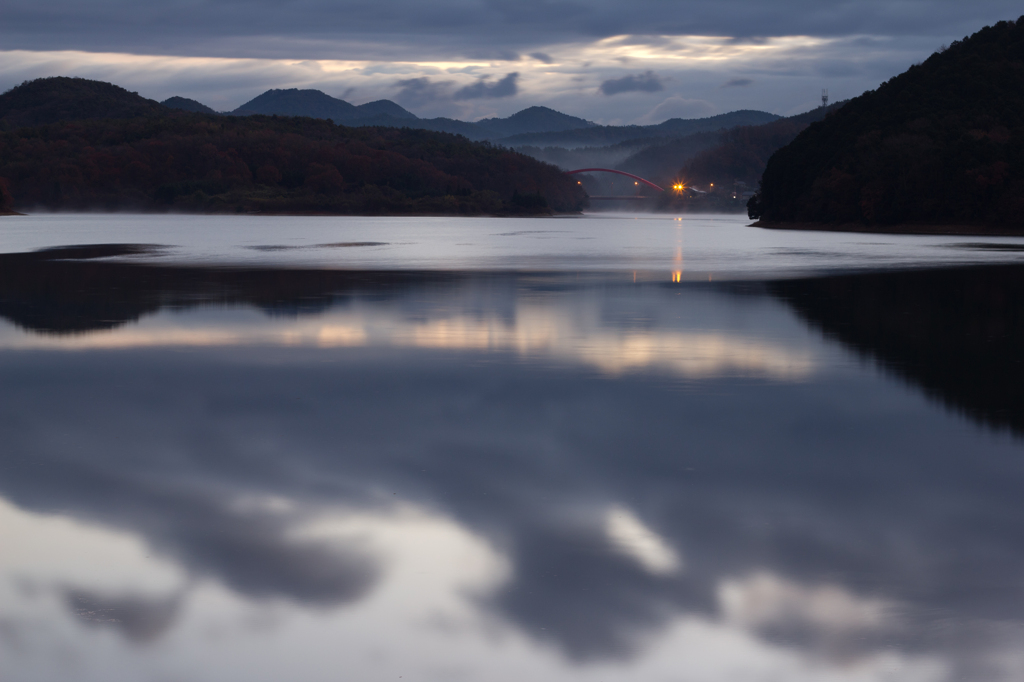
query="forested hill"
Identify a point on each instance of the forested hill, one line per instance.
(596, 136)
(49, 100)
(167, 159)
(186, 104)
(728, 158)
(941, 144)
(317, 104)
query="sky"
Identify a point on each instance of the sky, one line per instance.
(641, 61)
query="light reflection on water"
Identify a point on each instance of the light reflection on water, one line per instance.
(269, 474)
(563, 327)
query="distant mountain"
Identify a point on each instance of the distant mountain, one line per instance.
(317, 104)
(384, 107)
(660, 162)
(599, 136)
(721, 155)
(533, 120)
(50, 100)
(741, 153)
(186, 104)
(450, 125)
(532, 126)
(295, 102)
(941, 144)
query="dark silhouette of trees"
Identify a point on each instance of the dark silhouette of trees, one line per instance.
(203, 163)
(50, 100)
(6, 201)
(941, 144)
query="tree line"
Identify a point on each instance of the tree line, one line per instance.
(942, 143)
(202, 163)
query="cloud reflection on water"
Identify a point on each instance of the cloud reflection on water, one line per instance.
(474, 504)
(553, 331)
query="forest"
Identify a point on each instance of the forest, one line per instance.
(164, 160)
(941, 144)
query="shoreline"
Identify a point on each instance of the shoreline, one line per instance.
(909, 229)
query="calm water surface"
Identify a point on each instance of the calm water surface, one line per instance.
(596, 448)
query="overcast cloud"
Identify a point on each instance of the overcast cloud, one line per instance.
(224, 53)
(483, 88)
(644, 82)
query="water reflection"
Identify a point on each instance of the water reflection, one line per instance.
(47, 293)
(955, 332)
(477, 477)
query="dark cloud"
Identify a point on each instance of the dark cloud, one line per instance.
(494, 28)
(738, 83)
(139, 618)
(483, 88)
(554, 600)
(424, 92)
(417, 92)
(644, 82)
(542, 57)
(254, 554)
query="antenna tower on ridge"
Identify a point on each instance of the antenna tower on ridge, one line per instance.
(824, 97)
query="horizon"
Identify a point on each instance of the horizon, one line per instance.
(608, 64)
(514, 113)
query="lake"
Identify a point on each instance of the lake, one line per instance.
(602, 447)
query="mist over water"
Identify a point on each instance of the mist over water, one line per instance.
(608, 447)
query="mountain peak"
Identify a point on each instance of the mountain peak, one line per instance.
(186, 104)
(295, 102)
(536, 119)
(318, 104)
(49, 100)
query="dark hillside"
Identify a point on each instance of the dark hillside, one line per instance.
(6, 200)
(533, 120)
(743, 152)
(317, 104)
(49, 100)
(596, 136)
(718, 151)
(186, 104)
(941, 144)
(384, 107)
(660, 161)
(204, 163)
(295, 102)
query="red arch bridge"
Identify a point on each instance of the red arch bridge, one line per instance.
(618, 172)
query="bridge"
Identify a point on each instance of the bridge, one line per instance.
(618, 172)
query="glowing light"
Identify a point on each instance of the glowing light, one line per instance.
(677, 276)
